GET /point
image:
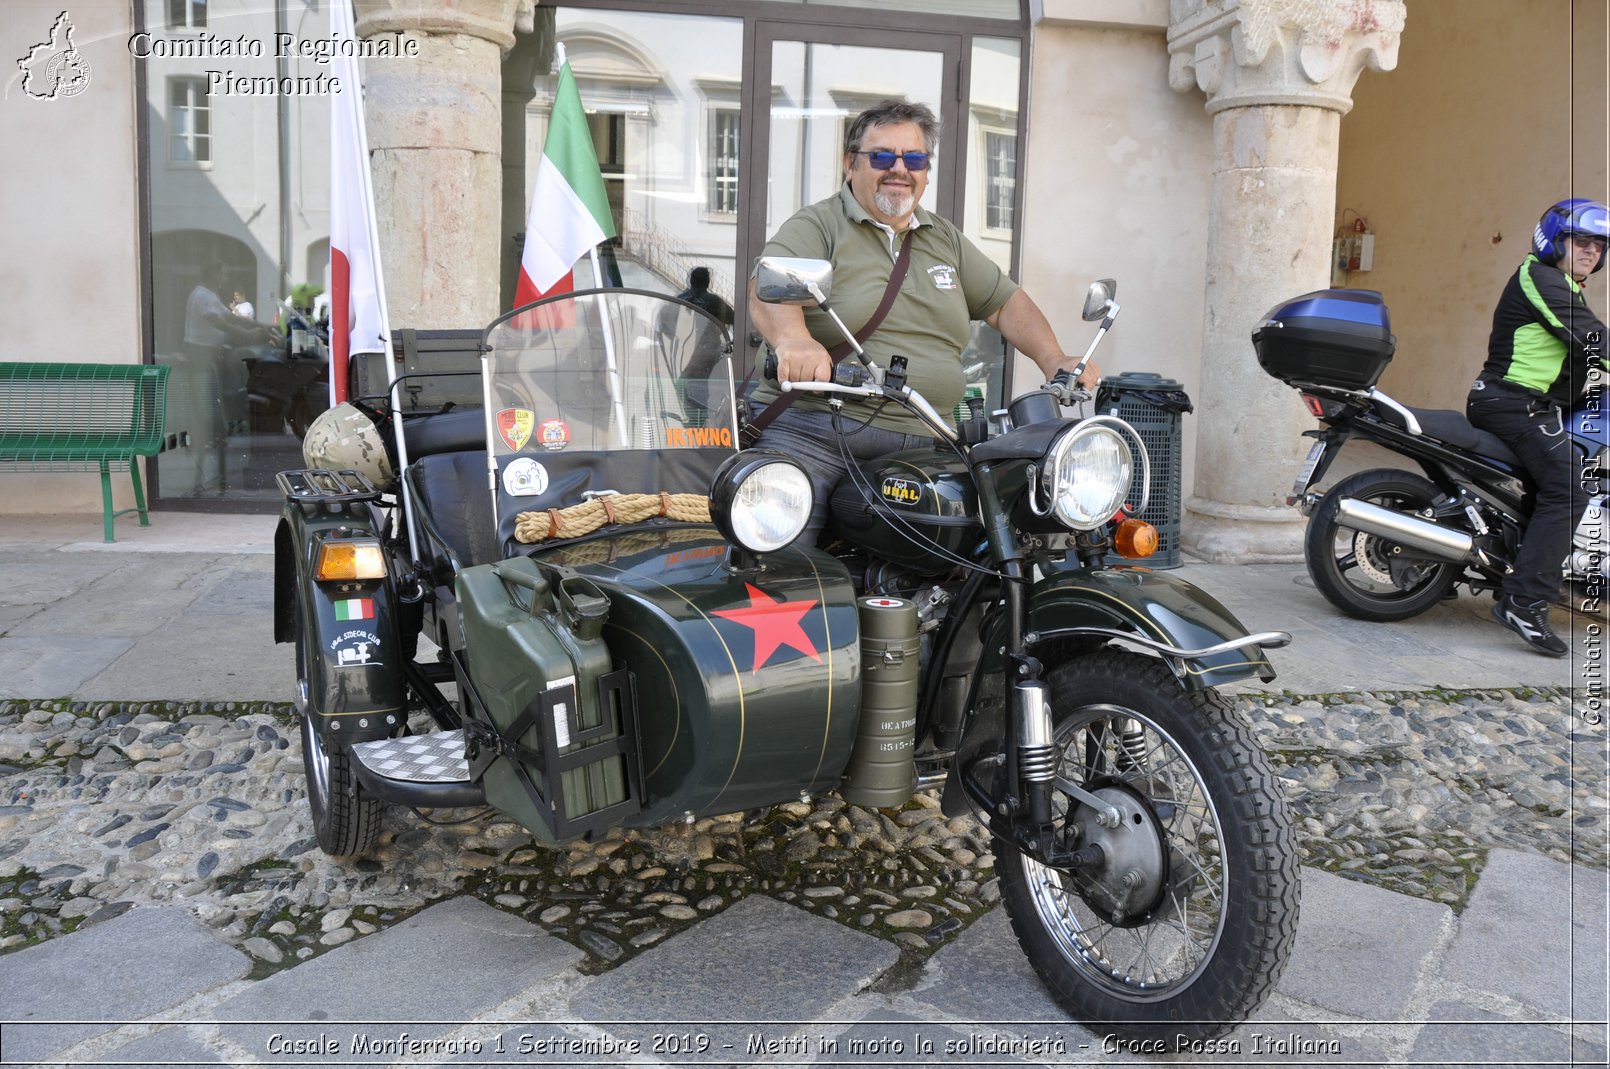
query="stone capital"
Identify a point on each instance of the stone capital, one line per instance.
(1245, 53)
(491, 20)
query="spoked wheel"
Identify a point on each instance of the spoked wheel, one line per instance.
(1357, 572)
(1187, 921)
(346, 818)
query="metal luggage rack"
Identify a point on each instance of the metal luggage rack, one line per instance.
(325, 487)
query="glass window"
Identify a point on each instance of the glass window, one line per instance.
(187, 13)
(189, 121)
(973, 9)
(661, 93)
(723, 161)
(239, 233)
(988, 207)
(1000, 178)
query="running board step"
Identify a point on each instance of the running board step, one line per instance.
(423, 771)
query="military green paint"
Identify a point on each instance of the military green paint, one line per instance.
(718, 734)
(520, 644)
(882, 771)
(1153, 604)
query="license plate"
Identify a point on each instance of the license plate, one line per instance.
(1306, 472)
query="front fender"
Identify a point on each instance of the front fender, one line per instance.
(354, 654)
(1155, 608)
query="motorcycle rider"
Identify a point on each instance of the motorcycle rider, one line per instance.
(950, 283)
(1545, 341)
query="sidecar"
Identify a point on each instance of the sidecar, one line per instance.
(543, 536)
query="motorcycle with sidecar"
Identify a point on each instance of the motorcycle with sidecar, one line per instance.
(565, 559)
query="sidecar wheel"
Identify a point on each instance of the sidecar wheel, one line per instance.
(1187, 924)
(346, 819)
(1356, 571)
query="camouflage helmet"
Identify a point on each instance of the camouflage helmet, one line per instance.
(345, 437)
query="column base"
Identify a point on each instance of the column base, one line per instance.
(1241, 534)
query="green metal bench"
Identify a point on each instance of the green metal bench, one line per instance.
(83, 417)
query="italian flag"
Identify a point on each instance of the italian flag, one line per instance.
(357, 296)
(569, 207)
(355, 609)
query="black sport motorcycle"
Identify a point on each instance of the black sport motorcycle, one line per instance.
(1387, 544)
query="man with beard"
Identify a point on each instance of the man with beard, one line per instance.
(948, 284)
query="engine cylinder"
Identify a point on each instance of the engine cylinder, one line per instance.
(881, 771)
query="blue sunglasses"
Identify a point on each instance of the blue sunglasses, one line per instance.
(883, 159)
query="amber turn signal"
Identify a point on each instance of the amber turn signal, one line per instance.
(1135, 539)
(350, 560)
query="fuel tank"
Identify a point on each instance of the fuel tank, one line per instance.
(913, 507)
(747, 681)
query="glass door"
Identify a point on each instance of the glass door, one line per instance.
(818, 80)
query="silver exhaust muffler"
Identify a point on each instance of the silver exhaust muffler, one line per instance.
(1442, 543)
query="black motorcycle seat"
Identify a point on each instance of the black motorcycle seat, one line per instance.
(453, 431)
(450, 490)
(1446, 425)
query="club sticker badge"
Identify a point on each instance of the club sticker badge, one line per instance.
(524, 477)
(553, 434)
(356, 649)
(944, 276)
(515, 426)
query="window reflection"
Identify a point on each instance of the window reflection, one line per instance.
(990, 204)
(661, 93)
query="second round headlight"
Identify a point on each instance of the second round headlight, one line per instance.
(1086, 475)
(761, 500)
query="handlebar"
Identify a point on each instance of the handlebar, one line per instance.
(1067, 391)
(851, 380)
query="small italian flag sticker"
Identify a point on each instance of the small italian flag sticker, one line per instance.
(355, 609)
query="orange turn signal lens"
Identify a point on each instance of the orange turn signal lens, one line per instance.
(1135, 539)
(350, 560)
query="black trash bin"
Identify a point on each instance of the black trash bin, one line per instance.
(1154, 406)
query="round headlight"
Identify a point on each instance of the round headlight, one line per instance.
(1086, 475)
(761, 500)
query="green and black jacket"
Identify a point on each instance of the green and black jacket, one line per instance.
(1545, 337)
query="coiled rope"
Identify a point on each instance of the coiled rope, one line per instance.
(589, 516)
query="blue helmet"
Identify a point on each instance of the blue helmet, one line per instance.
(1578, 215)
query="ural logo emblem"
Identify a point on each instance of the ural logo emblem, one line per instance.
(55, 69)
(901, 491)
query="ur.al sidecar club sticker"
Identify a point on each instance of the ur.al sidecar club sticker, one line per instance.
(356, 649)
(515, 426)
(553, 434)
(902, 491)
(524, 477)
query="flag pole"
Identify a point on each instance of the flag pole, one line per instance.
(365, 178)
(612, 372)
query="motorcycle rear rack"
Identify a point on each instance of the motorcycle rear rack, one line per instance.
(322, 486)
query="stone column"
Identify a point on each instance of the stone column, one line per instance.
(1278, 75)
(435, 142)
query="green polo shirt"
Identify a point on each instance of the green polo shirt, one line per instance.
(948, 284)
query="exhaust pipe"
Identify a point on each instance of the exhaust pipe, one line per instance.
(1441, 543)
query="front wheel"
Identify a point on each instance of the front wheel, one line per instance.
(1358, 572)
(1186, 923)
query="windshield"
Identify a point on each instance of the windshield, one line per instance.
(605, 370)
